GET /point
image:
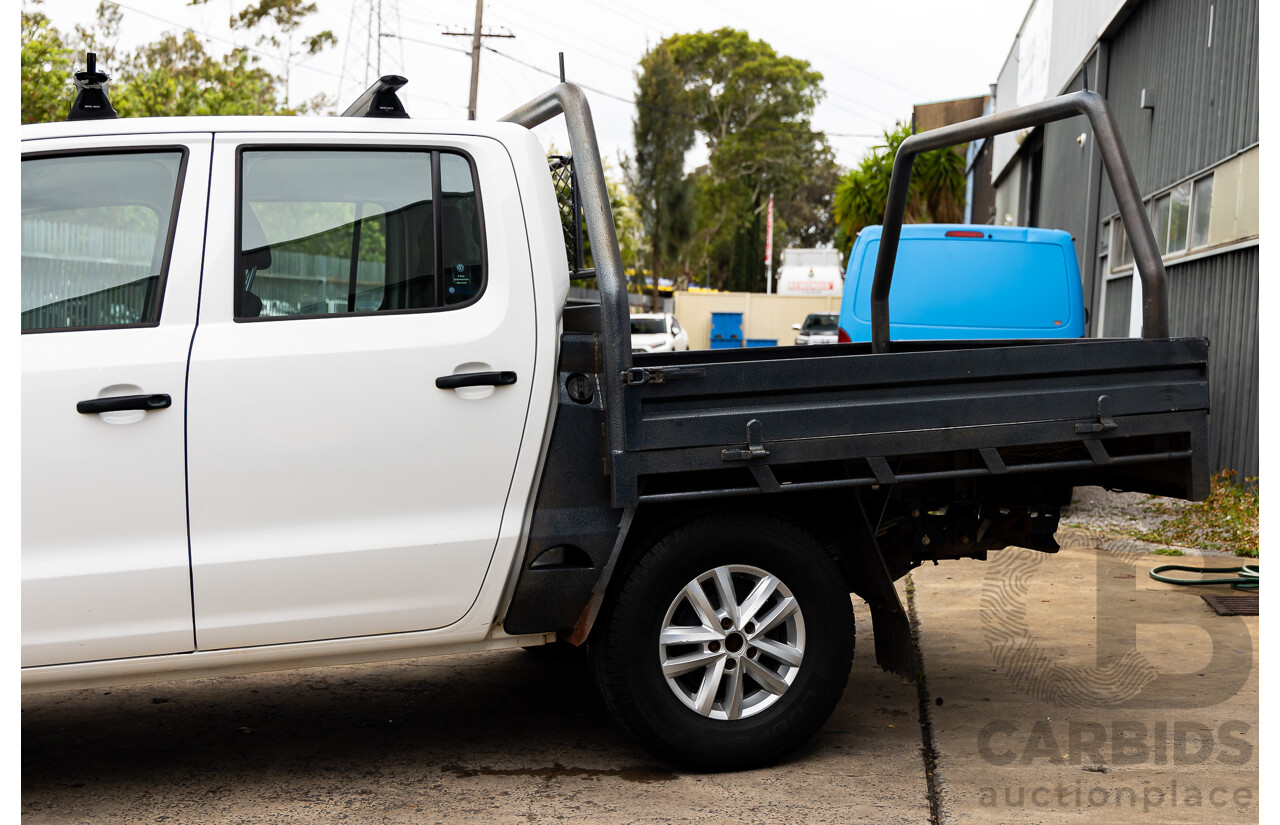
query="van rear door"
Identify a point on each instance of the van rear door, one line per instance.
(969, 282)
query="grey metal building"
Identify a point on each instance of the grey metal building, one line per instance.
(1181, 77)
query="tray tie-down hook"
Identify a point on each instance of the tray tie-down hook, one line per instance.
(637, 376)
(755, 444)
(1104, 422)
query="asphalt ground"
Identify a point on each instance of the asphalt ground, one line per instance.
(1067, 687)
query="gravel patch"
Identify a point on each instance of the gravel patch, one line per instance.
(1095, 508)
(1124, 514)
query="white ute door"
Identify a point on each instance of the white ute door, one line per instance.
(336, 489)
(111, 253)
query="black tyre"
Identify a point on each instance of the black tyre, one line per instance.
(728, 644)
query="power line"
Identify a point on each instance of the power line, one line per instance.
(569, 36)
(677, 113)
(429, 43)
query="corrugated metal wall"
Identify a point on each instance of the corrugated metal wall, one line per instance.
(1206, 92)
(1205, 84)
(1217, 298)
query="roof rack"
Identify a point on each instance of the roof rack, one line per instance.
(379, 100)
(91, 101)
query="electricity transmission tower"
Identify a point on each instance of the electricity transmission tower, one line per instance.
(362, 55)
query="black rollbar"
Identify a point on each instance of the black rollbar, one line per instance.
(569, 100)
(1155, 298)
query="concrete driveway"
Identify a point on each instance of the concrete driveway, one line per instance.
(485, 738)
(1036, 712)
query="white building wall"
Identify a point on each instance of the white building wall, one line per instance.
(1055, 37)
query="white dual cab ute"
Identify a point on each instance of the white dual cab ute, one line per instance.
(303, 391)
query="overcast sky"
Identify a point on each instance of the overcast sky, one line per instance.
(877, 58)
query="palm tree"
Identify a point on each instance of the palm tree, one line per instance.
(936, 194)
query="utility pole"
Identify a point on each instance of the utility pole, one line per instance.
(475, 34)
(768, 249)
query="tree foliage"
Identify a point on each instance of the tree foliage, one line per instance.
(46, 66)
(936, 194)
(752, 107)
(662, 135)
(174, 75)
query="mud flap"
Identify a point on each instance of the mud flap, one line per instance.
(895, 651)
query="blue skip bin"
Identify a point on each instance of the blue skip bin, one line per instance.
(726, 343)
(726, 326)
(762, 342)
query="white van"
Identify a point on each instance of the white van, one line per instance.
(814, 272)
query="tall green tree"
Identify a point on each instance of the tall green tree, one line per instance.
(753, 107)
(663, 135)
(936, 194)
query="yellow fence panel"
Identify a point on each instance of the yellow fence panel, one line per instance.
(763, 316)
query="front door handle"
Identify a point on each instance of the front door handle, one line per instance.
(476, 379)
(119, 403)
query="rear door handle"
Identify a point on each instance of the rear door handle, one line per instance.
(476, 379)
(118, 403)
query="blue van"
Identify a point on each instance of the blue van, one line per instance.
(956, 281)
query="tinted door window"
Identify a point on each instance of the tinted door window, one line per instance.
(342, 232)
(95, 238)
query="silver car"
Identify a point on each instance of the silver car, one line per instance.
(818, 328)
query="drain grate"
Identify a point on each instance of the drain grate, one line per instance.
(1233, 605)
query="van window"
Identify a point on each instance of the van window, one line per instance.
(96, 232)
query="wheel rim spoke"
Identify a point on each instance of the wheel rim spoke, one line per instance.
(683, 664)
(782, 611)
(698, 600)
(728, 600)
(787, 654)
(710, 685)
(766, 678)
(733, 694)
(757, 597)
(690, 635)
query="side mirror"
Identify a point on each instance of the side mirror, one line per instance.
(796, 327)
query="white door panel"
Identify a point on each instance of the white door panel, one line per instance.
(105, 568)
(335, 490)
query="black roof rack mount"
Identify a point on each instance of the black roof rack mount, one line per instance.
(91, 100)
(379, 100)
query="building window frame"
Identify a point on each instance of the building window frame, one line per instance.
(1194, 242)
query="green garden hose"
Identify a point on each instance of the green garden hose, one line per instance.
(1246, 577)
